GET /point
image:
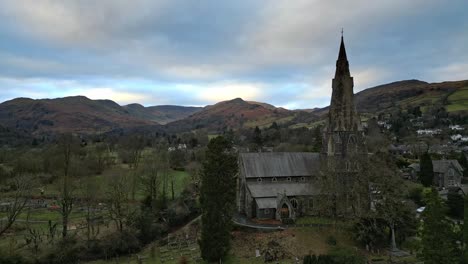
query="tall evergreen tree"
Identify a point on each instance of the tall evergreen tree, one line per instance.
(317, 147)
(217, 197)
(465, 228)
(427, 170)
(464, 163)
(257, 137)
(438, 239)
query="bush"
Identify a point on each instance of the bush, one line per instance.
(12, 259)
(337, 256)
(67, 251)
(72, 251)
(148, 229)
(117, 244)
(416, 195)
(331, 240)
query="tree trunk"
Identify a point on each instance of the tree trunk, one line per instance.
(64, 223)
(394, 246)
(172, 188)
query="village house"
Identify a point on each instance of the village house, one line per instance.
(447, 173)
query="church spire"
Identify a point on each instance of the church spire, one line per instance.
(342, 54)
(342, 114)
(342, 65)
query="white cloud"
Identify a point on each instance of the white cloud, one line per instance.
(454, 71)
(216, 92)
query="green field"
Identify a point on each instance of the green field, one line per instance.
(458, 101)
(268, 121)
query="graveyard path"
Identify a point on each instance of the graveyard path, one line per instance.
(241, 220)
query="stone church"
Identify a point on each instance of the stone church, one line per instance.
(286, 185)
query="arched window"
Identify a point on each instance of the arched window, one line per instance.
(274, 179)
(294, 203)
(303, 179)
(451, 172)
(259, 179)
(288, 179)
(338, 144)
(352, 144)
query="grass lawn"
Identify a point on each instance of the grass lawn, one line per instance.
(266, 122)
(309, 126)
(46, 215)
(306, 220)
(458, 101)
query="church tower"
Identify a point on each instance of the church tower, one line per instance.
(343, 136)
(344, 149)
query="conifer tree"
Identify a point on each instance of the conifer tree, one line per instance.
(464, 163)
(438, 239)
(427, 170)
(257, 137)
(465, 230)
(217, 197)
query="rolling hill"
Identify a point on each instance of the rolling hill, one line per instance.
(79, 114)
(410, 93)
(76, 114)
(234, 114)
(161, 114)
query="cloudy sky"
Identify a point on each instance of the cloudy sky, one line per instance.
(198, 52)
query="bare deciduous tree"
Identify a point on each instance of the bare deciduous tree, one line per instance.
(89, 194)
(117, 196)
(67, 147)
(23, 186)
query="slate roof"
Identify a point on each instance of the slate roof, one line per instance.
(277, 164)
(264, 189)
(440, 166)
(266, 203)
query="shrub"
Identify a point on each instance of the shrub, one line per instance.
(331, 240)
(120, 243)
(337, 256)
(416, 195)
(12, 259)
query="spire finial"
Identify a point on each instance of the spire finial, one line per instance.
(342, 32)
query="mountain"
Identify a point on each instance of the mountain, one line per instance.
(233, 114)
(76, 114)
(161, 114)
(412, 93)
(79, 114)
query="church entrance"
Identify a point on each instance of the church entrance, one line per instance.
(285, 212)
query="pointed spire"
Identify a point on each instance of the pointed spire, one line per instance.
(342, 65)
(342, 54)
(342, 113)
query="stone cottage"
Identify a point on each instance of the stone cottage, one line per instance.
(447, 173)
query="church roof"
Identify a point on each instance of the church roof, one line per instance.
(443, 165)
(272, 189)
(266, 203)
(279, 164)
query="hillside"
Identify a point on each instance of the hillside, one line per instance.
(410, 93)
(234, 114)
(77, 114)
(161, 114)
